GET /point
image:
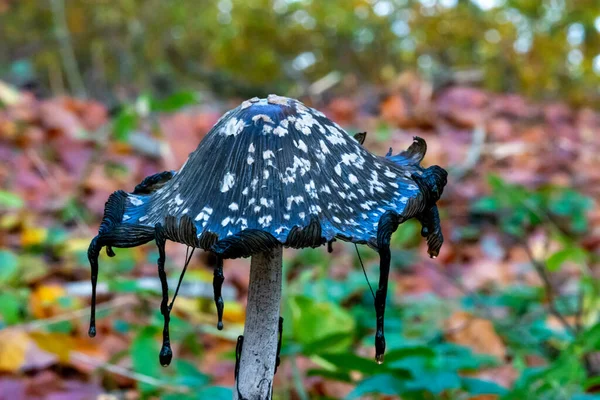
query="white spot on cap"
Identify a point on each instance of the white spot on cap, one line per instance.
(301, 145)
(265, 220)
(267, 202)
(204, 215)
(228, 182)
(267, 154)
(178, 200)
(389, 173)
(338, 169)
(294, 199)
(263, 117)
(311, 189)
(233, 127)
(349, 158)
(135, 201)
(353, 179)
(314, 209)
(280, 131)
(234, 207)
(274, 99)
(324, 147)
(251, 148)
(226, 221)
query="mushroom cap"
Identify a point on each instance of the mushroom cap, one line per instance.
(274, 171)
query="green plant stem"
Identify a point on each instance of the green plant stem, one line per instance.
(550, 291)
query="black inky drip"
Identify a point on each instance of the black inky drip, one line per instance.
(166, 354)
(387, 225)
(279, 339)
(218, 279)
(93, 252)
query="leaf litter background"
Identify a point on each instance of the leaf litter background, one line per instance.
(477, 323)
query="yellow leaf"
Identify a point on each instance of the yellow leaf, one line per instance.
(55, 343)
(33, 236)
(77, 244)
(43, 300)
(234, 312)
(13, 347)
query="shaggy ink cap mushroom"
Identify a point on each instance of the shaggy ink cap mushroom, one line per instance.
(275, 172)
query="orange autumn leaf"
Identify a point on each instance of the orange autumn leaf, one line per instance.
(476, 333)
(43, 302)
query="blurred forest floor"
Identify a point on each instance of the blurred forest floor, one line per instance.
(515, 282)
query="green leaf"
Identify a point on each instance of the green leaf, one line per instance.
(10, 200)
(189, 375)
(556, 260)
(486, 205)
(215, 393)
(124, 286)
(407, 234)
(383, 133)
(477, 386)
(409, 351)
(125, 122)
(10, 308)
(324, 345)
(380, 384)
(586, 396)
(9, 264)
(314, 321)
(352, 362)
(174, 102)
(144, 356)
(435, 382)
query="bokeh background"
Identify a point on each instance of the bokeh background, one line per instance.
(96, 94)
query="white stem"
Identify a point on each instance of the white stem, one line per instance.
(261, 332)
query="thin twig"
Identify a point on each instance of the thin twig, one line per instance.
(541, 270)
(122, 371)
(71, 315)
(473, 154)
(580, 306)
(61, 30)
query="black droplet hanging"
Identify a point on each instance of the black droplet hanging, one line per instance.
(218, 279)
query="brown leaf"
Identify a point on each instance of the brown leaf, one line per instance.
(476, 333)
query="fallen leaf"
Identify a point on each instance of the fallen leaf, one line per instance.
(33, 236)
(476, 333)
(13, 346)
(58, 344)
(43, 302)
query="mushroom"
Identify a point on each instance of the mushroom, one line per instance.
(274, 173)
